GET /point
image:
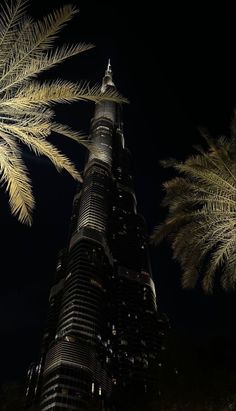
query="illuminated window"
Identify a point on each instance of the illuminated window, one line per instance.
(69, 338)
(100, 391)
(68, 276)
(59, 265)
(92, 390)
(94, 282)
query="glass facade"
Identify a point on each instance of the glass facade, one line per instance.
(104, 335)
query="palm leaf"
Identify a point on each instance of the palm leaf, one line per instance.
(17, 183)
(44, 62)
(40, 38)
(40, 146)
(26, 106)
(10, 18)
(59, 91)
(201, 219)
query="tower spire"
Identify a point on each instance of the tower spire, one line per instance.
(109, 70)
(107, 79)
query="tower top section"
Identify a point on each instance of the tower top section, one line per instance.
(107, 79)
(109, 70)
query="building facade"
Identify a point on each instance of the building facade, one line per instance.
(104, 337)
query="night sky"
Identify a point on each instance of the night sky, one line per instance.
(176, 66)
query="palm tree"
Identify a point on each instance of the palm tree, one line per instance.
(201, 217)
(26, 106)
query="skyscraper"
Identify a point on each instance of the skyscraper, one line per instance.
(104, 335)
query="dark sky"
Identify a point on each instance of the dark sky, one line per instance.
(176, 66)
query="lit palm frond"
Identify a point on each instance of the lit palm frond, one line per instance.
(58, 91)
(15, 177)
(27, 48)
(201, 220)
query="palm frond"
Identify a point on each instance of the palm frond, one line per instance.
(218, 259)
(14, 175)
(220, 156)
(72, 134)
(27, 48)
(228, 278)
(59, 91)
(10, 17)
(40, 146)
(201, 219)
(39, 38)
(10, 49)
(19, 74)
(26, 116)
